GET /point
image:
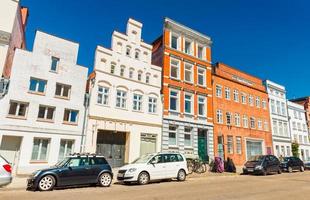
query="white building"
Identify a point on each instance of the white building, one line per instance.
(125, 108)
(299, 130)
(281, 137)
(42, 114)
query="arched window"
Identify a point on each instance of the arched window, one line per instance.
(112, 70)
(139, 75)
(131, 71)
(147, 78)
(122, 71)
(128, 49)
(137, 54)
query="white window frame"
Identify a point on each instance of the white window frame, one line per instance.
(204, 105)
(190, 101)
(177, 100)
(191, 71)
(174, 66)
(122, 99)
(152, 105)
(219, 116)
(237, 119)
(190, 47)
(236, 95)
(105, 95)
(176, 135)
(178, 41)
(245, 121)
(203, 74)
(40, 148)
(137, 102)
(45, 112)
(227, 93)
(220, 91)
(18, 108)
(70, 112)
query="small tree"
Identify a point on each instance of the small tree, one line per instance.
(295, 149)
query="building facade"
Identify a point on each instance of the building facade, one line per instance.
(185, 57)
(299, 129)
(241, 115)
(43, 111)
(281, 135)
(305, 102)
(125, 107)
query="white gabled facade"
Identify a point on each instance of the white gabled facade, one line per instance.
(299, 130)
(281, 137)
(43, 111)
(125, 108)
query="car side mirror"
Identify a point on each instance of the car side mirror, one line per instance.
(153, 162)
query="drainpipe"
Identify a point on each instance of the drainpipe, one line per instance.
(289, 125)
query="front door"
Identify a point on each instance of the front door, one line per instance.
(202, 145)
(111, 145)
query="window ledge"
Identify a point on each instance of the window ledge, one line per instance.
(70, 123)
(188, 82)
(137, 111)
(45, 120)
(188, 148)
(38, 162)
(175, 79)
(36, 93)
(103, 105)
(121, 108)
(61, 97)
(202, 86)
(52, 71)
(16, 117)
(173, 146)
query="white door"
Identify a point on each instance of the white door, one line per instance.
(157, 170)
(10, 150)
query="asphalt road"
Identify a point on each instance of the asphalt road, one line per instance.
(294, 186)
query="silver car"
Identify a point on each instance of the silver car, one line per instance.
(5, 172)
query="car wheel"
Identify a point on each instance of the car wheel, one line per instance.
(302, 169)
(279, 171)
(143, 178)
(105, 179)
(264, 172)
(290, 169)
(181, 175)
(46, 183)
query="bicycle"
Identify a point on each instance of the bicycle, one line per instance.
(196, 165)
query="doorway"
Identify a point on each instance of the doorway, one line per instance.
(10, 150)
(203, 144)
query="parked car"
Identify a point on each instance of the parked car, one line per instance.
(262, 164)
(5, 172)
(289, 164)
(307, 165)
(73, 170)
(152, 167)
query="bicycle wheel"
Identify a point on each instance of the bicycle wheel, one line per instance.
(190, 166)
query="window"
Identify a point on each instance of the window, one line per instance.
(230, 145)
(187, 136)
(295, 114)
(137, 102)
(236, 95)
(147, 78)
(174, 42)
(306, 139)
(201, 106)
(266, 126)
(228, 118)
(283, 109)
(264, 105)
(131, 73)
(252, 122)
(37, 85)
(174, 100)
(260, 124)
(54, 64)
(285, 129)
(251, 101)
(122, 72)
(299, 126)
(112, 70)
(137, 54)
(201, 76)
(219, 116)
(299, 114)
(304, 127)
(239, 145)
(275, 127)
(40, 149)
(188, 74)
(278, 108)
(62, 90)
(188, 103)
(18, 109)
(121, 97)
(187, 47)
(300, 139)
(71, 116)
(172, 135)
(273, 109)
(294, 126)
(103, 95)
(200, 52)
(152, 105)
(119, 47)
(66, 148)
(139, 75)
(46, 113)
(218, 91)
(243, 98)
(245, 121)
(257, 102)
(227, 93)
(280, 124)
(237, 119)
(174, 68)
(128, 49)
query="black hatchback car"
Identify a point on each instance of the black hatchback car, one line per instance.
(262, 164)
(289, 164)
(73, 170)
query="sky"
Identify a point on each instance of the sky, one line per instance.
(269, 39)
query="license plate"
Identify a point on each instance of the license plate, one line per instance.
(250, 170)
(120, 175)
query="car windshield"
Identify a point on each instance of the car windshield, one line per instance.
(143, 159)
(256, 159)
(62, 162)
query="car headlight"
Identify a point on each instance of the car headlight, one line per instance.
(132, 170)
(36, 173)
(259, 167)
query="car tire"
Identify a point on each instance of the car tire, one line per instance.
(279, 170)
(143, 178)
(181, 175)
(105, 179)
(290, 169)
(302, 169)
(265, 172)
(46, 183)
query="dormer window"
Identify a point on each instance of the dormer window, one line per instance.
(128, 49)
(200, 52)
(174, 42)
(187, 48)
(54, 64)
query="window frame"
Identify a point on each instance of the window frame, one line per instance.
(46, 113)
(177, 67)
(16, 115)
(204, 76)
(37, 86)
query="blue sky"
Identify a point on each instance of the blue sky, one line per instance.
(266, 38)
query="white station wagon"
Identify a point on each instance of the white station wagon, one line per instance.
(157, 166)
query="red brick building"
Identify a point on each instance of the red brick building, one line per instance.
(241, 115)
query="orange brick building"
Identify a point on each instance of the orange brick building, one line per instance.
(241, 115)
(185, 56)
